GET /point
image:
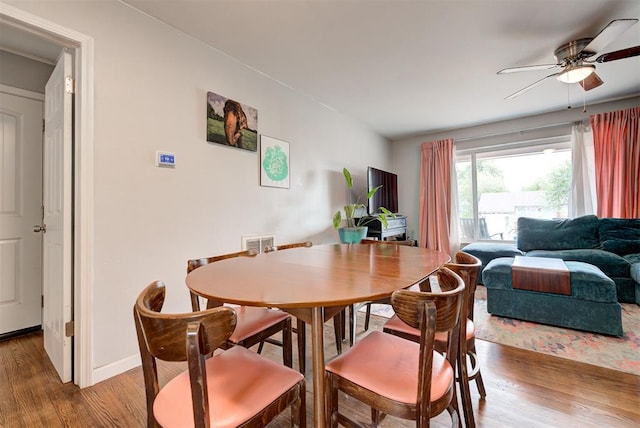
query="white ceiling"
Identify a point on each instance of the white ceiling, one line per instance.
(405, 67)
(409, 67)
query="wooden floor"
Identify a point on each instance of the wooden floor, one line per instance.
(524, 389)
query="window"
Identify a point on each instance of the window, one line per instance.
(498, 185)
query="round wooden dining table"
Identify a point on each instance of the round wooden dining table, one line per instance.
(314, 284)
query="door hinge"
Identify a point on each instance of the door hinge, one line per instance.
(42, 301)
(69, 329)
(69, 85)
(43, 128)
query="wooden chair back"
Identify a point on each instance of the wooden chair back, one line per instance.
(469, 268)
(448, 300)
(162, 336)
(196, 263)
(407, 242)
(271, 248)
(432, 312)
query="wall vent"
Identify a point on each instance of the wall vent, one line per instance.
(257, 242)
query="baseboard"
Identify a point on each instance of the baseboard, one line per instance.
(18, 333)
(115, 368)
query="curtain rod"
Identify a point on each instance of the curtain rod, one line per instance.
(499, 134)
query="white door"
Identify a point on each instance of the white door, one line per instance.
(57, 196)
(20, 210)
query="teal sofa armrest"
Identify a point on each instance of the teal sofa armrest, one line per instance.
(487, 251)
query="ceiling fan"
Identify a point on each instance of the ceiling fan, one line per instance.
(574, 59)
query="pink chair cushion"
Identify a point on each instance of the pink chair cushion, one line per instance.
(398, 325)
(240, 383)
(252, 320)
(388, 366)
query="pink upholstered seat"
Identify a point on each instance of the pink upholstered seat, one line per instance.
(252, 320)
(240, 384)
(394, 376)
(232, 388)
(388, 365)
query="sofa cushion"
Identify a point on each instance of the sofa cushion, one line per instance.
(587, 281)
(611, 264)
(620, 235)
(541, 234)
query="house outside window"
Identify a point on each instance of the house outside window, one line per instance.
(498, 185)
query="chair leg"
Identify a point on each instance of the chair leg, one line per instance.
(299, 409)
(332, 401)
(367, 317)
(465, 393)
(287, 345)
(375, 417)
(301, 331)
(480, 385)
(475, 365)
(352, 324)
(337, 328)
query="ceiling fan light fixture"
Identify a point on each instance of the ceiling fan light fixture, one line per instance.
(576, 73)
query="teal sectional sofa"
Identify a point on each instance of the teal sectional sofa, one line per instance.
(611, 244)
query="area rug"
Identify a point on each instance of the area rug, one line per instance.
(621, 353)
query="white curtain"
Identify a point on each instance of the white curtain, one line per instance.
(582, 199)
(454, 229)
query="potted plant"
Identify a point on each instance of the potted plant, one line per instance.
(356, 227)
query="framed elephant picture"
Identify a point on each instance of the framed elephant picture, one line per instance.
(274, 162)
(231, 123)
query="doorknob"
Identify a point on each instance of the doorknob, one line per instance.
(37, 228)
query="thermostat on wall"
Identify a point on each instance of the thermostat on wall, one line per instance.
(165, 159)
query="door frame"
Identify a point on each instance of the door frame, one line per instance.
(81, 47)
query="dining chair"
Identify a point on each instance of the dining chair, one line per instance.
(405, 379)
(255, 325)
(233, 388)
(468, 267)
(300, 328)
(353, 309)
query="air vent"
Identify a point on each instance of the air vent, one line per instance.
(257, 242)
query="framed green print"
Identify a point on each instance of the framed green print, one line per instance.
(274, 162)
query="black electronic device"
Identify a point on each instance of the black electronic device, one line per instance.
(387, 195)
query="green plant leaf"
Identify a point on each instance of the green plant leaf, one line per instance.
(372, 192)
(347, 177)
(337, 219)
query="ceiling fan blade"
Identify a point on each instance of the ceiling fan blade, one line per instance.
(591, 81)
(621, 54)
(528, 68)
(608, 34)
(526, 88)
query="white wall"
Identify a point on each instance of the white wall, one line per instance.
(150, 94)
(406, 152)
(24, 73)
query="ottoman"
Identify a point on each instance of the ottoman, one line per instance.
(591, 306)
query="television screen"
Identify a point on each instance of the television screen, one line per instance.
(387, 195)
